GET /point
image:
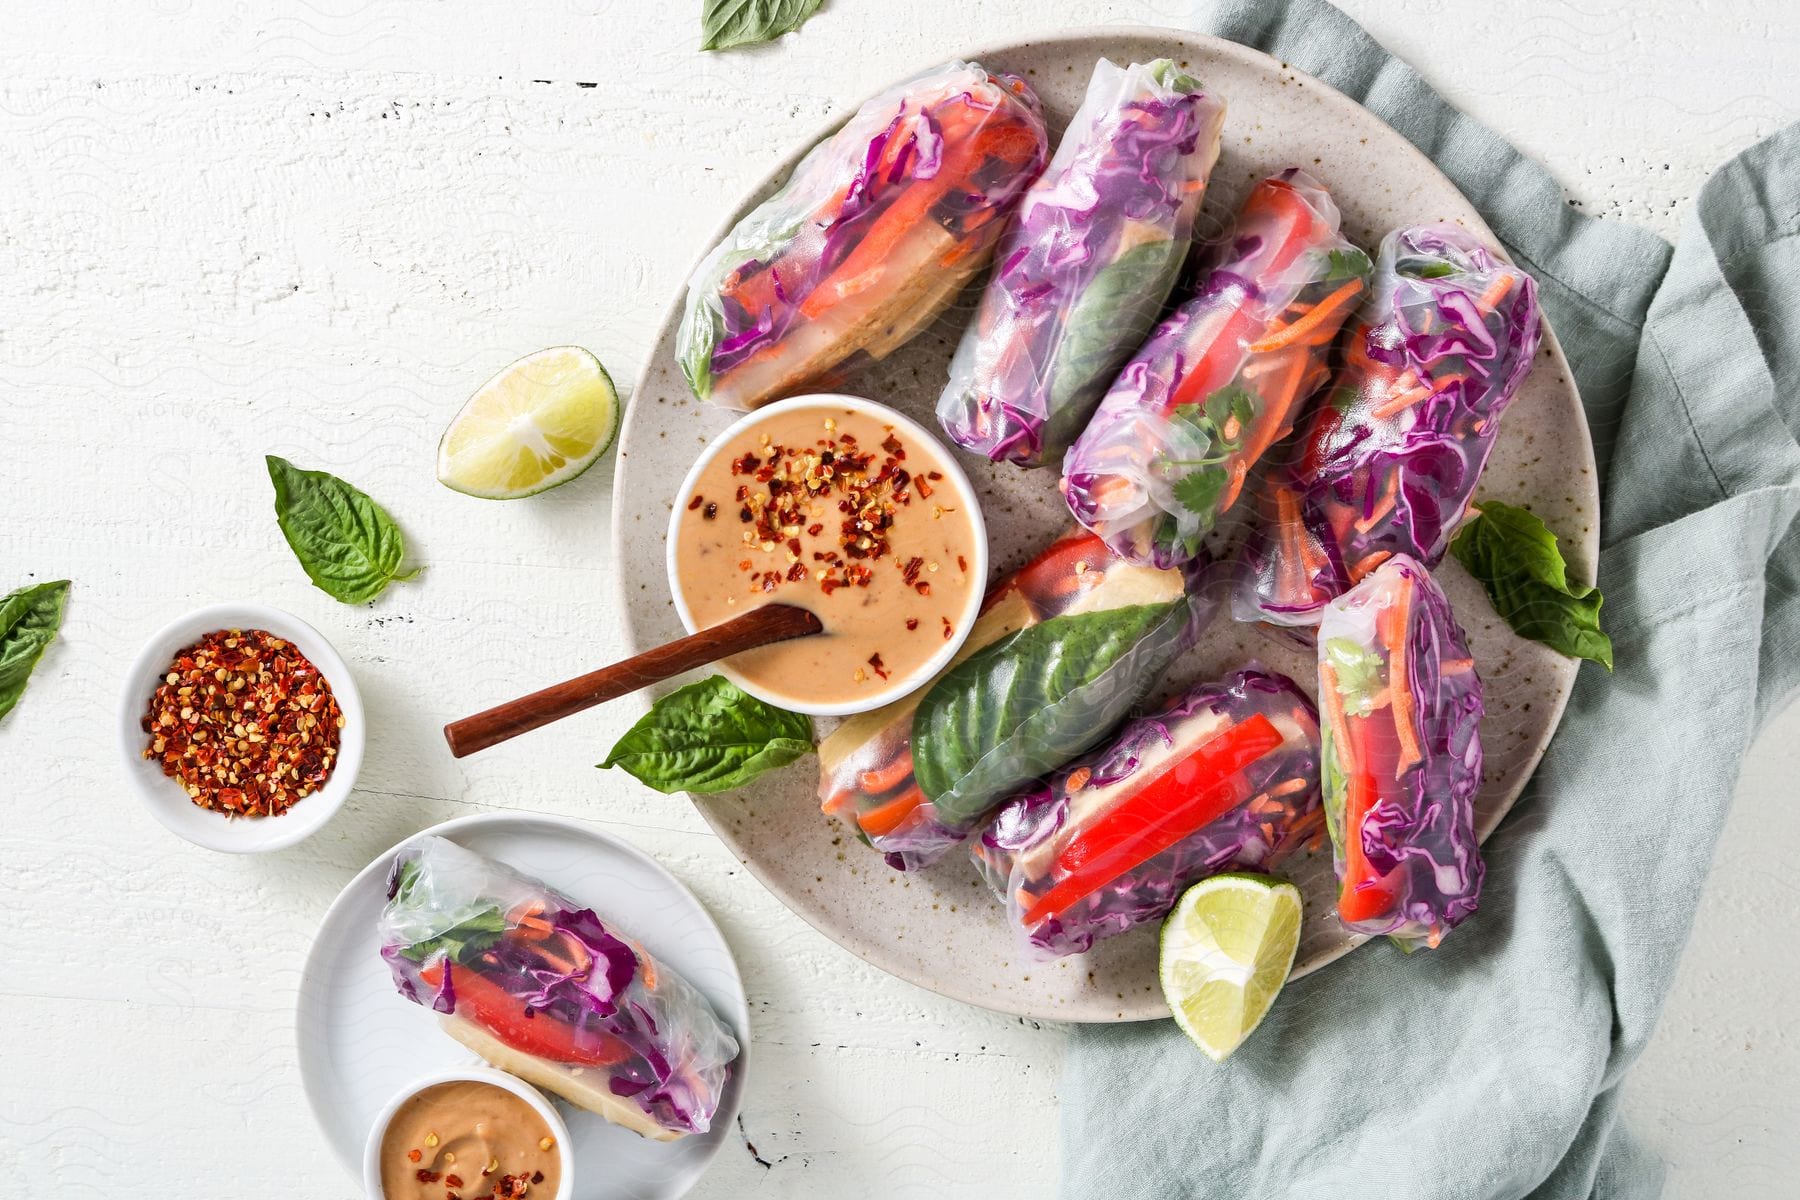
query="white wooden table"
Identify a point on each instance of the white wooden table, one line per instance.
(312, 228)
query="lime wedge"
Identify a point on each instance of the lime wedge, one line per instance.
(540, 422)
(1227, 948)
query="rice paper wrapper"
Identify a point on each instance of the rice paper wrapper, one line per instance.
(1221, 380)
(1086, 264)
(552, 992)
(1111, 842)
(866, 773)
(1401, 755)
(873, 234)
(1388, 464)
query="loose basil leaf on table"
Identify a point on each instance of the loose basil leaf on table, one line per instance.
(710, 737)
(1516, 558)
(728, 23)
(348, 545)
(29, 619)
(1029, 703)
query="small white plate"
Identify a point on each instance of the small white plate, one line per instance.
(360, 1041)
(164, 796)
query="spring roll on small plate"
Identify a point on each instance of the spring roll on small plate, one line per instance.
(539, 986)
(1086, 264)
(875, 231)
(1401, 755)
(1390, 459)
(1221, 380)
(1226, 776)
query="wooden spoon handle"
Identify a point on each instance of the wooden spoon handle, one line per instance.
(758, 627)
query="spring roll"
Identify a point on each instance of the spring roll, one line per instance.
(1389, 462)
(1221, 380)
(1086, 264)
(1227, 776)
(541, 987)
(1401, 755)
(866, 764)
(873, 234)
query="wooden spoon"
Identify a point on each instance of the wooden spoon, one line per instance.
(759, 627)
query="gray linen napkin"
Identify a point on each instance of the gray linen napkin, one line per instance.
(1491, 1067)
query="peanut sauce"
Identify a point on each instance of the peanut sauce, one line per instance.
(833, 510)
(470, 1140)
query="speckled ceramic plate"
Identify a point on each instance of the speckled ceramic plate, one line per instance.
(940, 928)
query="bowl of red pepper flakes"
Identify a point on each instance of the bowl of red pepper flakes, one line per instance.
(241, 728)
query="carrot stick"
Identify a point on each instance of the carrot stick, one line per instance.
(1279, 397)
(1456, 666)
(1339, 723)
(1496, 292)
(1367, 563)
(885, 778)
(1393, 625)
(1321, 313)
(1399, 402)
(884, 819)
(1293, 538)
(1383, 506)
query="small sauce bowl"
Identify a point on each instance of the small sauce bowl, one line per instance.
(954, 483)
(470, 1074)
(166, 799)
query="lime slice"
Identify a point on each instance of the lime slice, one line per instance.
(1226, 950)
(539, 423)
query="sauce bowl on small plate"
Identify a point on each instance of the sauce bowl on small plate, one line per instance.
(371, 1166)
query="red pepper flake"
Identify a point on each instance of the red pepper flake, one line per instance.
(712, 512)
(948, 628)
(245, 723)
(878, 665)
(924, 488)
(425, 1176)
(790, 485)
(454, 1181)
(962, 564)
(912, 623)
(413, 1156)
(923, 588)
(696, 502)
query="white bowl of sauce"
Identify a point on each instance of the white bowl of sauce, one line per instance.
(470, 1132)
(843, 506)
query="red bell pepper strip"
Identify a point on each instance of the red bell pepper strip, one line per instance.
(1187, 797)
(502, 1014)
(1365, 895)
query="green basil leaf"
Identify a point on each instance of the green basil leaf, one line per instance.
(728, 23)
(349, 547)
(29, 619)
(1110, 319)
(469, 937)
(1516, 558)
(710, 737)
(1032, 701)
